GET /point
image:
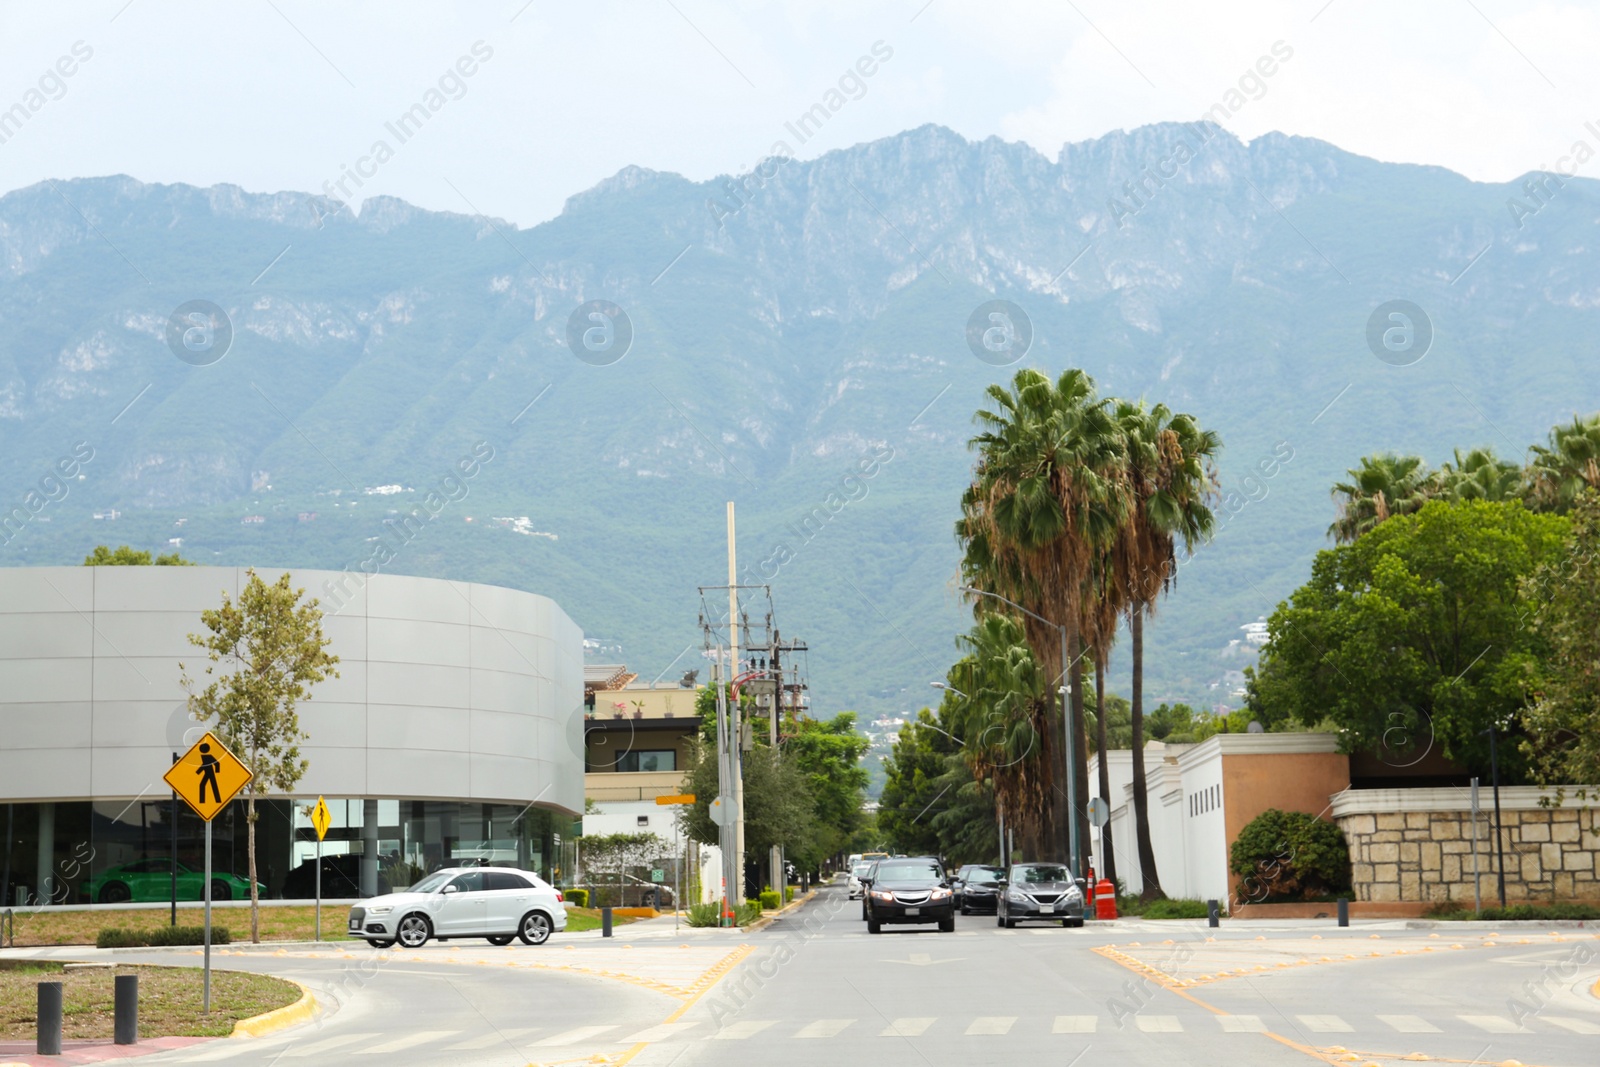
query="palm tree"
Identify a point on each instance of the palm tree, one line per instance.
(1043, 500)
(1168, 463)
(1559, 474)
(1380, 488)
(1478, 475)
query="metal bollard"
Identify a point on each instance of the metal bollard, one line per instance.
(1213, 913)
(126, 1009)
(1344, 912)
(605, 922)
(49, 1041)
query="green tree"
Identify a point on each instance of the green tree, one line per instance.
(1563, 718)
(778, 806)
(1380, 488)
(829, 753)
(1567, 467)
(1478, 475)
(266, 651)
(1414, 635)
(125, 556)
(609, 858)
(1290, 855)
(914, 784)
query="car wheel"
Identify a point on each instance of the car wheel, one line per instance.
(1065, 923)
(413, 931)
(947, 926)
(874, 927)
(1078, 923)
(114, 893)
(221, 890)
(535, 928)
(999, 920)
(378, 942)
(500, 939)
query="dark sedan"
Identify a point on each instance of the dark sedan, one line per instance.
(978, 888)
(1042, 891)
(909, 890)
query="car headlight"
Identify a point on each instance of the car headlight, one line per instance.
(878, 894)
(1074, 893)
(1017, 895)
(940, 894)
(382, 909)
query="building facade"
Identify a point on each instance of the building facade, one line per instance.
(453, 734)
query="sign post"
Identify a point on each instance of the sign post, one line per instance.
(677, 800)
(319, 822)
(221, 775)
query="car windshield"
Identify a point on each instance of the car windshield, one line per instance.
(432, 883)
(909, 872)
(1043, 872)
(983, 877)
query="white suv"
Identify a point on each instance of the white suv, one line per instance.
(497, 903)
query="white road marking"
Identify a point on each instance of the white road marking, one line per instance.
(1325, 1024)
(421, 1037)
(572, 1037)
(906, 1028)
(1242, 1024)
(220, 1050)
(740, 1031)
(1074, 1024)
(499, 1037)
(1577, 1026)
(993, 1025)
(325, 1045)
(1492, 1024)
(824, 1028)
(1410, 1024)
(1159, 1024)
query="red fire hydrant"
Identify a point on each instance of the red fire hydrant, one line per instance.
(1105, 899)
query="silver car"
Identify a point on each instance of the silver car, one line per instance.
(496, 903)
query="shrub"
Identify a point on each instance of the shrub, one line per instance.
(578, 898)
(748, 912)
(706, 914)
(1524, 913)
(769, 900)
(1290, 855)
(160, 937)
(1176, 909)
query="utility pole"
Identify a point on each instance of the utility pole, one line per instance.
(735, 716)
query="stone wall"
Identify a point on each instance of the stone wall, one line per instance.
(1416, 845)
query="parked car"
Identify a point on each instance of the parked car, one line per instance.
(341, 879)
(909, 890)
(854, 884)
(977, 888)
(496, 903)
(1046, 891)
(151, 880)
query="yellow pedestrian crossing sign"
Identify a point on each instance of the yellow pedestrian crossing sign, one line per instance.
(208, 776)
(320, 818)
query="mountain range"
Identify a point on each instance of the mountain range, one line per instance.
(799, 345)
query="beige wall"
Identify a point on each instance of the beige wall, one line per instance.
(658, 703)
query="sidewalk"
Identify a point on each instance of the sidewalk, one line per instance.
(17, 1053)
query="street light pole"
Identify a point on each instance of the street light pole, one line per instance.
(1073, 846)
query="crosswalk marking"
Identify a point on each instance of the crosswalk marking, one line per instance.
(1409, 1024)
(659, 1032)
(824, 1028)
(1242, 1024)
(1159, 1024)
(572, 1037)
(421, 1037)
(992, 1025)
(966, 933)
(1577, 1026)
(741, 1030)
(221, 1050)
(1324, 1024)
(906, 1028)
(325, 1045)
(1074, 1024)
(1492, 1024)
(489, 1040)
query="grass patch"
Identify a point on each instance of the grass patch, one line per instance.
(169, 1000)
(581, 919)
(46, 926)
(1455, 912)
(1161, 909)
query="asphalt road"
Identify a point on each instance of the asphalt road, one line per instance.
(820, 988)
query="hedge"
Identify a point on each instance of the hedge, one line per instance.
(578, 898)
(160, 936)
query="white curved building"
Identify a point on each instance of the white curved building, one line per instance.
(454, 731)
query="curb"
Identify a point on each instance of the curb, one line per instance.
(767, 920)
(300, 1011)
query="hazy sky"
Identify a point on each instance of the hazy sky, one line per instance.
(287, 94)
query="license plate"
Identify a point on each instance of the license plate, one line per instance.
(913, 911)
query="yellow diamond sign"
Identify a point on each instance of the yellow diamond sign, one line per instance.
(320, 818)
(208, 776)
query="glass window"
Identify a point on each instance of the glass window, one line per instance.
(495, 881)
(1047, 872)
(889, 872)
(431, 884)
(471, 882)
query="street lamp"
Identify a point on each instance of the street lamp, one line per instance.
(950, 689)
(1066, 723)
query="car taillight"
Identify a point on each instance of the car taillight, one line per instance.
(560, 899)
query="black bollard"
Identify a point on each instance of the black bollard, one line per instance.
(49, 1042)
(126, 1009)
(605, 922)
(1344, 912)
(1212, 914)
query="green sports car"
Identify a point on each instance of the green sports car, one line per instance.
(151, 880)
